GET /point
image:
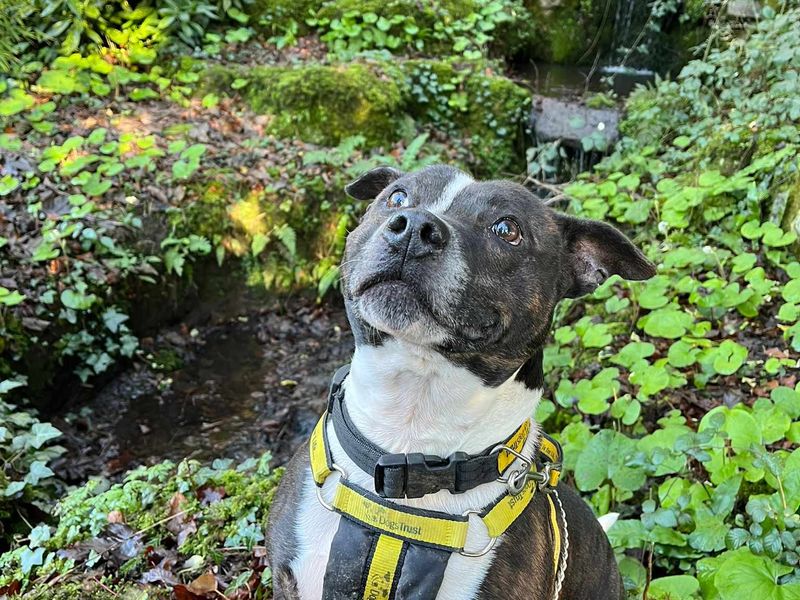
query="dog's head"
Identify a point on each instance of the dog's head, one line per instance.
(470, 269)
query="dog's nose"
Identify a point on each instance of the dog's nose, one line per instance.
(420, 231)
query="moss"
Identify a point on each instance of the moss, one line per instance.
(90, 589)
(320, 104)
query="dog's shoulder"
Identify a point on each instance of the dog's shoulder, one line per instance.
(524, 559)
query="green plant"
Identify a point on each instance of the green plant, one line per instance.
(211, 515)
(696, 424)
(26, 448)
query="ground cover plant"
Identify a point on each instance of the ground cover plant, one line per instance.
(142, 145)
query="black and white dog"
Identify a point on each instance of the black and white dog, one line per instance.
(450, 286)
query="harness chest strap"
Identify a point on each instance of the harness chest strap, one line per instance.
(441, 530)
(407, 549)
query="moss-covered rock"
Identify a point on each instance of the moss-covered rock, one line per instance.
(320, 104)
(324, 104)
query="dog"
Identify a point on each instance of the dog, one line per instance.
(450, 286)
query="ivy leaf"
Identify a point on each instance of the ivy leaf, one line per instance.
(728, 357)
(113, 319)
(14, 488)
(38, 471)
(39, 535)
(668, 322)
(31, 558)
(41, 433)
(77, 300)
(746, 575)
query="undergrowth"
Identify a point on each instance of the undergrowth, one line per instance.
(676, 399)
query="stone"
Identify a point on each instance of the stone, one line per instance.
(571, 122)
(744, 9)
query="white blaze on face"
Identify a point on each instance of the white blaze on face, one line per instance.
(451, 190)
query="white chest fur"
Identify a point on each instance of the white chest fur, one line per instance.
(408, 400)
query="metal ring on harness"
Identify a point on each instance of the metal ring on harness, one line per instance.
(487, 548)
(342, 475)
(517, 478)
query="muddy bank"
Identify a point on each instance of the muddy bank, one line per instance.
(248, 379)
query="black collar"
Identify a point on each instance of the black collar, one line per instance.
(415, 474)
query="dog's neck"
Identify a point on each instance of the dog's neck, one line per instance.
(406, 398)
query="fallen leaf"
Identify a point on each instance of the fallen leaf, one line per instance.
(115, 516)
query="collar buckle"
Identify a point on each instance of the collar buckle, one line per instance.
(414, 475)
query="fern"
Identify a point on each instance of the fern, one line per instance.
(15, 24)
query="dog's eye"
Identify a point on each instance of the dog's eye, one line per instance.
(508, 230)
(398, 199)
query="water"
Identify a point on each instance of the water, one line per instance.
(575, 81)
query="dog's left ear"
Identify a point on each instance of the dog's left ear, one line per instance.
(372, 183)
(595, 252)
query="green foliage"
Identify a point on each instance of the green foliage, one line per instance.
(212, 516)
(458, 27)
(26, 448)
(130, 33)
(682, 421)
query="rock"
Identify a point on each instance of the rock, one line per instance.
(571, 122)
(744, 9)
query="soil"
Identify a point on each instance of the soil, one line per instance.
(248, 380)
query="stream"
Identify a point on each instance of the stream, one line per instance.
(251, 378)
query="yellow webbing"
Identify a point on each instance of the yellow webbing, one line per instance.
(551, 451)
(401, 521)
(411, 524)
(505, 512)
(556, 534)
(383, 568)
(320, 468)
(516, 442)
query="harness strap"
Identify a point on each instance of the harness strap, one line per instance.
(415, 474)
(556, 535)
(432, 528)
(402, 552)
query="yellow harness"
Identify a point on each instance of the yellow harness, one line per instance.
(398, 526)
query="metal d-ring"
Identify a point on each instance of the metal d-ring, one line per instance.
(490, 544)
(342, 475)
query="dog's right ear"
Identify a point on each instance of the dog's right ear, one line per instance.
(372, 183)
